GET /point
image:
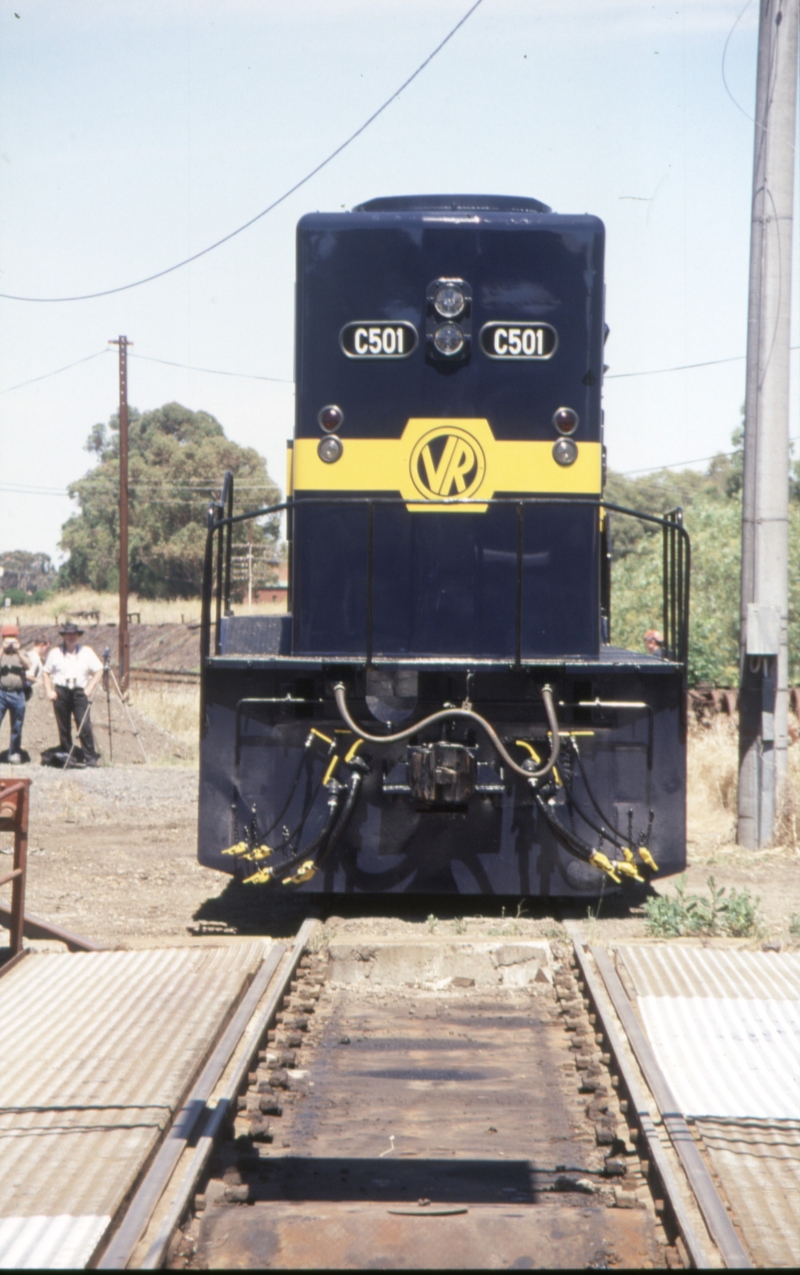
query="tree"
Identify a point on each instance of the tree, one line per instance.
(24, 574)
(176, 461)
(712, 506)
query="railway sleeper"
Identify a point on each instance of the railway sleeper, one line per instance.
(621, 1182)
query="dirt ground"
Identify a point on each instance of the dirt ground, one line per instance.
(112, 855)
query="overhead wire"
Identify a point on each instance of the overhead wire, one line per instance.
(159, 274)
(214, 371)
(681, 367)
(56, 371)
(738, 19)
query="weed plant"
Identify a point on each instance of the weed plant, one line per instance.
(683, 914)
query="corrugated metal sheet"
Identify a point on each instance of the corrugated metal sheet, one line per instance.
(758, 1163)
(661, 969)
(49, 1243)
(97, 1050)
(725, 1027)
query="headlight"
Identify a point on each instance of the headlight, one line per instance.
(448, 339)
(329, 449)
(565, 452)
(449, 301)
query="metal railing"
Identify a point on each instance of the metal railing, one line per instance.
(217, 574)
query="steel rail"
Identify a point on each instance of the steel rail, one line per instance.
(639, 1111)
(34, 927)
(118, 1252)
(711, 1206)
(257, 1024)
(713, 1210)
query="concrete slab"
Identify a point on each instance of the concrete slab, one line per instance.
(439, 963)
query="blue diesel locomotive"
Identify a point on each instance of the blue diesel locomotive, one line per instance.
(442, 710)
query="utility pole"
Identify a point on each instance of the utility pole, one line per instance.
(763, 693)
(249, 566)
(124, 640)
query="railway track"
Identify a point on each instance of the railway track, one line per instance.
(451, 1127)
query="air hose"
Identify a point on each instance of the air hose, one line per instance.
(309, 851)
(461, 714)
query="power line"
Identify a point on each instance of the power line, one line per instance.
(683, 367)
(214, 371)
(159, 274)
(738, 106)
(45, 375)
(677, 464)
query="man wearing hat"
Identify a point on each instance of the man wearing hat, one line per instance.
(71, 674)
(13, 665)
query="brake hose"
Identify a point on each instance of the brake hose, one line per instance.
(462, 714)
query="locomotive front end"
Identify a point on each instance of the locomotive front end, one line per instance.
(442, 710)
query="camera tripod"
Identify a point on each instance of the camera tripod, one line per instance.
(108, 678)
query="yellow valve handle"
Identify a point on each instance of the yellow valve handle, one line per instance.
(263, 874)
(259, 852)
(647, 859)
(523, 743)
(628, 870)
(331, 768)
(351, 752)
(325, 738)
(605, 865)
(304, 873)
(239, 848)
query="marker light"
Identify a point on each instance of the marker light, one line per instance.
(330, 418)
(449, 301)
(330, 449)
(448, 339)
(565, 452)
(566, 420)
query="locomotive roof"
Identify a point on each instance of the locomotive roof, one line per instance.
(453, 203)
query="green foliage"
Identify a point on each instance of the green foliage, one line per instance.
(794, 925)
(685, 914)
(712, 515)
(176, 461)
(26, 574)
(19, 598)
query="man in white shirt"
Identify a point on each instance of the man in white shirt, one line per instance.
(71, 674)
(37, 654)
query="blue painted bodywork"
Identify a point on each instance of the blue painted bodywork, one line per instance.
(441, 581)
(485, 607)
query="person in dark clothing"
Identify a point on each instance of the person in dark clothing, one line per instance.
(13, 665)
(71, 674)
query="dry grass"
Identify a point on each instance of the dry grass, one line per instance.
(712, 767)
(713, 763)
(171, 611)
(175, 708)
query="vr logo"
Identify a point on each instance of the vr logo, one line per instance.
(447, 463)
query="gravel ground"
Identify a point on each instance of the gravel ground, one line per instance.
(113, 856)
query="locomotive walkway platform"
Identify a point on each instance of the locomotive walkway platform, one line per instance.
(99, 1052)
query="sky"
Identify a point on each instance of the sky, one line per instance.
(132, 136)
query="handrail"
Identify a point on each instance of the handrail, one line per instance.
(676, 555)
